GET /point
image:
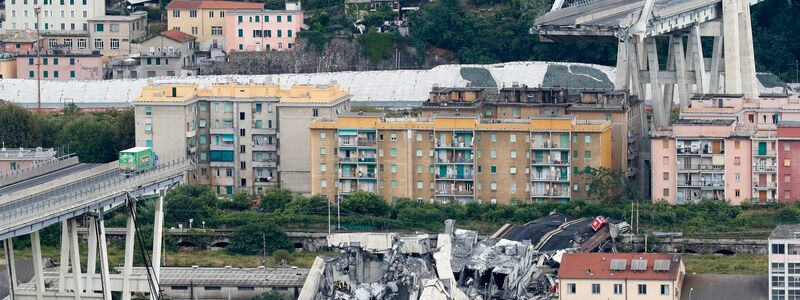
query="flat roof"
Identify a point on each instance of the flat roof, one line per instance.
(786, 231)
(26, 153)
(128, 18)
(724, 286)
(703, 122)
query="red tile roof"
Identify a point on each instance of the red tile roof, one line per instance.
(213, 4)
(598, 266)
(178, 35)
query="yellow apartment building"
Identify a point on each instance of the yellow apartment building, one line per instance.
(457, 158)
(204, 19)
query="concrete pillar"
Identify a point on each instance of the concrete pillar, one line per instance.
(64, 259)
(75, 259)
(38, 267)
(669, 89)
(750, 86)
(635, 72)
(680, 69)
(716, 59)
(158, 229)
(8, 244)
(622, 78)
(697, 62)
(91, 259)
(730, 23)
(127, 268)
(655, 86)
(104, 274)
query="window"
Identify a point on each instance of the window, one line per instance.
(737, 144)
(419, 152)
(394, 168)
(99, 27)
(587, 139)
(393, 152)
(148, 127)
(420, 185)
(279, 35)
(288, 18)
(664, 289)
(278, 18)
(738, 177)
(71, 74)
(778, 268)
(617, 289)
(493, 186)
(45, 74)
(737, 161)
(570, 288)
(419, 169)
(513, 170)
(98, 44)
(642, 289)
(113, 27)
(72, 61)
(778, 249)
(666, 175)
(193, 13)
(31, 74)
(513, 153)
(323, 183)
(787, 147)
(323, 136)
(44, 61)
(322, 151)
(595, 288)
(114, 44)
(665, 160)
(493, 137)
(587, 154)
(194, 30)
(216, 30)
(666, 193)
(289, 33)
(394, 184)
(787, 178)
(315, 112)
(81, 43)
(778, 281)
(323, 168)
(240, 32)
(55, 74)
(787, 162)
(493, 154)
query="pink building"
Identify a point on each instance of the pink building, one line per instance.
(13, 159)
(698, 159)
(788, 160)
(61, 66)
(262, 30)
(18, 41)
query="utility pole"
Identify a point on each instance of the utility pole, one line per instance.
(36, 10)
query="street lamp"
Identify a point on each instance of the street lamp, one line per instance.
(690, 293)
(190, 223)
(37, 10)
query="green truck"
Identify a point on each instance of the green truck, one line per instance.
(136, 159)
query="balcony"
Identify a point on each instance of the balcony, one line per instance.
(191, 133)
(445, 144)
(454, 161)
(551, 193)
(549, 145)
(687, 151)
(357, 175)
(454, 193)
(765, 185)
(371, 143)
(265, 164)
(713, 185)
(765, 168)
(767, 153)
(228, 130)
(265, 147)
(682, 183)
(367, 160)
(548, 177)
(222, 146)
(264, 131)
(548, 162)
(455, 177)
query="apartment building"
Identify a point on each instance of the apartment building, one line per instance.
(263, 30)
(55, 15)
(113, 35)
(13, 159)
(18, 41)
(205, 19)
(457, 158)
(60, 66)
(788, 134)
(243, 137)
(630, 149)
(170, 53)
(629, 276)
(784, 262)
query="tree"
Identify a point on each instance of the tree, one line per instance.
(366, 203)
(254, 239)
(240, 201)
(124, 130)
(608, 185)
(191, 202)
(276, 199)
(282, 256)
(376, 45)
(90, 140)
(313, 205)
(19, 126)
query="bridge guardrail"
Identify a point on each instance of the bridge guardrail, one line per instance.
(59, 182)
(65, 198)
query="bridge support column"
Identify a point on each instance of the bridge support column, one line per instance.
(622, 77)
(716, 58)
(669, 88)
(91, 257)
(158, 229)
(660, 116)
(8, 244)
(680, 69)
(697, 63)
(38, 268)
(127, 268)
(64, 259)
(74, 251)
(104, 274)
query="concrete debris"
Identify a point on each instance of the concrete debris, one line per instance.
(514, 263)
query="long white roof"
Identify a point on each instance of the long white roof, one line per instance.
(393, 85)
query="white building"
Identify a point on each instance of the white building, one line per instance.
(784, 262)
(55, 15)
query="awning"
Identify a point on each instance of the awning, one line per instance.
(347, 132)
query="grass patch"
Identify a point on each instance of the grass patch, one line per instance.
(742, 264)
